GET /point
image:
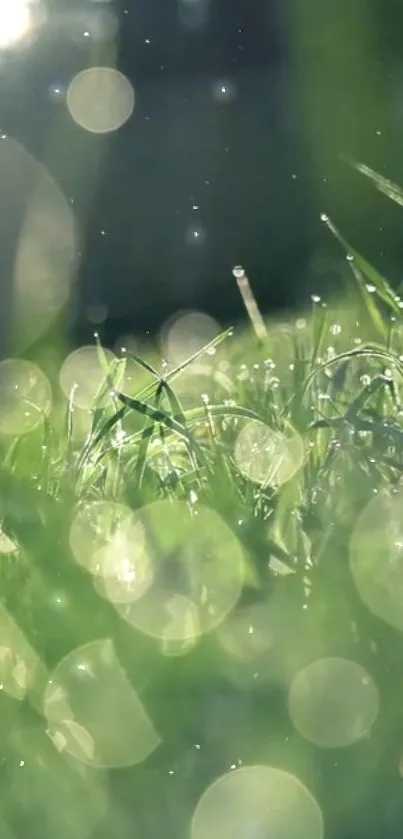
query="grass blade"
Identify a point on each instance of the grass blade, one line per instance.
(384, 185)
(381, 286)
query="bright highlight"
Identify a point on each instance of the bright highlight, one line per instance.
(15, 19)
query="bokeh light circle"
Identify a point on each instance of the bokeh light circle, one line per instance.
(187, 334)
(333, 702)
(257, 801)
(82, 376)
(247, 633)
(93, 712)
(22, 674)
(107, 539)
(376, 557)
(25, 396)
(100, 99)
(267, 457)
(198, 572)
(39, 246)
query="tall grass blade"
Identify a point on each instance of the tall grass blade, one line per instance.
(381, 286)
(384, 185)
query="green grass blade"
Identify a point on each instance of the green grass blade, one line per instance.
(141, 362)
(146, 436)
(155, 414)
(195, 415)
(172, 374)
(384, 185)
(381, 286)
(149, 390)
(320, 324)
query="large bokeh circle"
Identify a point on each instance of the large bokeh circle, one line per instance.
(197, 566)
(259, 802)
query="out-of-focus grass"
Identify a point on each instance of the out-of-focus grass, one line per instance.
(329, 379)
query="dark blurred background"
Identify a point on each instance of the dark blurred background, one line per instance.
(242, 108)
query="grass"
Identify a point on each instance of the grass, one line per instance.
(326, 387)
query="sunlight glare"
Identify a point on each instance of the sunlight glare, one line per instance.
(15, 19)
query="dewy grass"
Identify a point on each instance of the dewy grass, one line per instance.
(297, 426)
